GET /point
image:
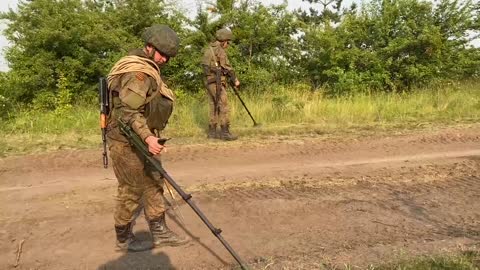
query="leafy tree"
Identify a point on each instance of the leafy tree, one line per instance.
(52, 38)
(330, 12)
(390, 45)
(457, 20)
(405, 39)
(263, 39)
(79, 39)
(61, 47)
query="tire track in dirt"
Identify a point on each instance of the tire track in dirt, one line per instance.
(357, 203)
(411, 201)
(271, 167)
(371, 212)
(408, 144)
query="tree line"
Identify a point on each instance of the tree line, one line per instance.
(377, 45)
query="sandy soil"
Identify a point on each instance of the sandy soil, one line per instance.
(281, 203)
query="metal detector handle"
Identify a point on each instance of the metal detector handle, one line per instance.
(162, 141)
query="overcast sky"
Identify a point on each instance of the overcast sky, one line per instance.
(4, 5)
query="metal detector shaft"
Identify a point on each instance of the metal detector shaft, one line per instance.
(138, 143)
(245, 106)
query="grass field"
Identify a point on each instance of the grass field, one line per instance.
(281, 111)
(466, 260)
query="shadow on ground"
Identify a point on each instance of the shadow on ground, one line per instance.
(147, 260)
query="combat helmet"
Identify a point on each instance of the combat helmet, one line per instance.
(163, 38)
(224, 34)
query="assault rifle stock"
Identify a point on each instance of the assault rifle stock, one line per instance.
(138, 143)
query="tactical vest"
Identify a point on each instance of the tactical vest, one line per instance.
(157, 113)
(156, 110)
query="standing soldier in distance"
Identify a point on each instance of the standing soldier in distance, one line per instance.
(215, 63)
(140, 99)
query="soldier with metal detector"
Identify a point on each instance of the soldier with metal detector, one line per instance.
(134, 107)
(137, 96)
(217, 70)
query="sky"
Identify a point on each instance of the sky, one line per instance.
(4, 6)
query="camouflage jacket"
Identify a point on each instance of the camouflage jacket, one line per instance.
(215, 56)
(135, 99)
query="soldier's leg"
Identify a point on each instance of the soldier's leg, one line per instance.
(155, 212)
(127, 167)
(224, 117)
(213, 117)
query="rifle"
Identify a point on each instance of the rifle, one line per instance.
(104, 111)
(232, 84)
(139, 144)
(218, 84)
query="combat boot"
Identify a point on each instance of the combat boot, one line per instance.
(212, 131)
(225, 133)
(162, 235)
(126, 240)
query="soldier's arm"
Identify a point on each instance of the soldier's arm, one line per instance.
(133, 94)
(226, 66)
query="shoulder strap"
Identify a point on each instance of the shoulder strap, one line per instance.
(214, 56)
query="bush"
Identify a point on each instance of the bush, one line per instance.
(6, 108)
(44, 101)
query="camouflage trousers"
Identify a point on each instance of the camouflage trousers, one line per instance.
(139, 185)
(222, 117)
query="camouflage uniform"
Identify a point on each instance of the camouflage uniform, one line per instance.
(135, 177)
(145, 103)
(215, 57)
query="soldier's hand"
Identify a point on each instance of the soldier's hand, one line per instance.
(153, 146)
(237, 83)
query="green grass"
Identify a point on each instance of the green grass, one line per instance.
(465, 260)
(298, 110)
(281, 111)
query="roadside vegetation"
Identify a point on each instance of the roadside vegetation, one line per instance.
(466, 260)
(285, 111)
(371, 66)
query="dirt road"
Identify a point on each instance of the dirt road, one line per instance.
(281, 203)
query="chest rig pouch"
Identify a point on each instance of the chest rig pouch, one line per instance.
(157, 113)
